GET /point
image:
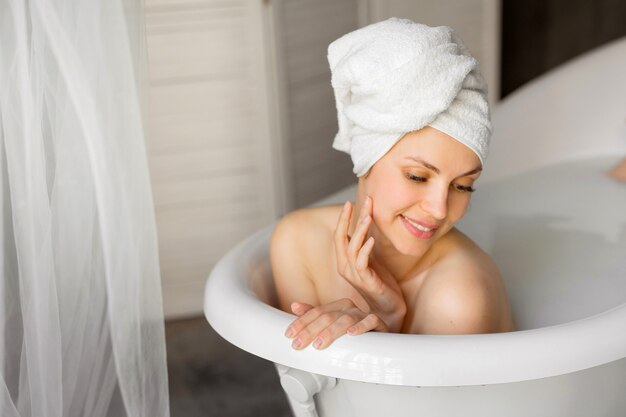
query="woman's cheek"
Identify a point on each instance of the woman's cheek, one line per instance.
(388, 205)
(460, 208)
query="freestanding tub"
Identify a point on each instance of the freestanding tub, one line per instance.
(554, 223)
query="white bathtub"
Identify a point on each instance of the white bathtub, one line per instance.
(556, 226)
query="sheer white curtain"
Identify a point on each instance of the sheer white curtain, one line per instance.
(81, 321)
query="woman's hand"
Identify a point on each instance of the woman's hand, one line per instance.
(324, 324)
(375, 284)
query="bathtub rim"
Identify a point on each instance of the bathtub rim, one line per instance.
(390, 358)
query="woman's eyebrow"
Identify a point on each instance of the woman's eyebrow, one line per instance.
(436, 170)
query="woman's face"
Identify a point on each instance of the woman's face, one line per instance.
(420, 189)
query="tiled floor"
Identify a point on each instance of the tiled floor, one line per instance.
(209, 377)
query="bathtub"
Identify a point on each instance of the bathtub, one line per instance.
(555, 225)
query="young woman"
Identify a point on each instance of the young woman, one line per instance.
(413, 116)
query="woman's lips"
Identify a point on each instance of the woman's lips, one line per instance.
(419, 229)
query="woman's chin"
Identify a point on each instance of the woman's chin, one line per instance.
(404, 243)
(413, 249)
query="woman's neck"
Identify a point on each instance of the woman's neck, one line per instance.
(401, 266)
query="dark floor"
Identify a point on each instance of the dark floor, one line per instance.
(209, 377)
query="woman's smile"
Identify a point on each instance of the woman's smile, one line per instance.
(419, 229)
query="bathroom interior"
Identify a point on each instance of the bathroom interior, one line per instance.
(239, 117)
(516, 41)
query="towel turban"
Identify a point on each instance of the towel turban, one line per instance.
(397, 76)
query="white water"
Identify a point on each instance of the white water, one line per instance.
(558, 235)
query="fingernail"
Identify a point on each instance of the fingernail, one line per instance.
(317, 343)
(346, 206)
(290, 332)
(296, 344)
(366, 219)
(351, 330)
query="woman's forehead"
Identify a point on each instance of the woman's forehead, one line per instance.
(432, 141)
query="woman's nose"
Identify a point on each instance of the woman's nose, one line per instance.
(435, 202)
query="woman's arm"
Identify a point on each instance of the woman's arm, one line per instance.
(292, 278)
(296, 292)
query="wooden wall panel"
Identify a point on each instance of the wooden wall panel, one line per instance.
(302, 32)
(207, 138)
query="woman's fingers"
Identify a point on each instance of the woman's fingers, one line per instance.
(369, 323)
(356, 241)
(334, 331)
(370, 284)
(363, 259)
(304, 320)
(307, 335)
(347, 248)
(312, 313)
(369, 280)
(360, 232)
(341, 236)
(300, 308)
(322, 325)
(365, 218)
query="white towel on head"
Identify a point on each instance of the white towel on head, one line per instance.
(397, 76)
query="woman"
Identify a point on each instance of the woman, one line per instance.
(413, 116)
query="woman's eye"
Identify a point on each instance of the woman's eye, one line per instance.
(457, 187)
(415, 178)
(464, 188)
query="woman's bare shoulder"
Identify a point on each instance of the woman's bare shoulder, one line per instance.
(463, 292)
(307, 225)
(466, 255)
(296, 232)
(298, 240)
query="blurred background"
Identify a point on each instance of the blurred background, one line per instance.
(240, 121)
